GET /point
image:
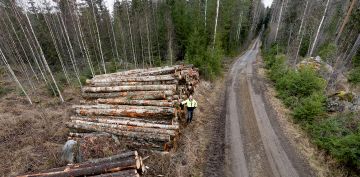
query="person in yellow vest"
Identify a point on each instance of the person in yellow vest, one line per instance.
(191, 105)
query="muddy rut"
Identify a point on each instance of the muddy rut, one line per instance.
(250, 142)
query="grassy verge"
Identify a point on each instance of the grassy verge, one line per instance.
(303, 92)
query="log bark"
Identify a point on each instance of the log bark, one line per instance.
(126, 111)
(106, 84)
(134, 135)
(125, 173)
(124, 101)
(88, 169)
(138, 72)
(131, 79)
(125, 128)
(130, 119)
(132, 122)
(136, 95)
(128, 88)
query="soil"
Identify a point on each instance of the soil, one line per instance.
(255, 144)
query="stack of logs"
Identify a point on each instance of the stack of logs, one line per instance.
(128, 164)
(139, 106)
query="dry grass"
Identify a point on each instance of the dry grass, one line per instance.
(322, 164)
(31, 136)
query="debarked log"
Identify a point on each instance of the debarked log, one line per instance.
(128, 122)
(126, 128)
(134, 135)
(128, 88)
(134, 95)
(126, 111)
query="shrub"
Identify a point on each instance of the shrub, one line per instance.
(4, 90)
(302, 83)
(346, 149)
(277, 68)
(354, 76)
(310, 108)
(327, 51)
(51, 89)
(339, 136)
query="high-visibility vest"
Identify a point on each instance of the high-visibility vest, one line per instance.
(190, 104)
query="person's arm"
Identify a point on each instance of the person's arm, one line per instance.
(195, 104)
(183, 102)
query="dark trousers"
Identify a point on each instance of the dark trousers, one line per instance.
(190, 115)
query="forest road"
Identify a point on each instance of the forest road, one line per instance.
(254, 144)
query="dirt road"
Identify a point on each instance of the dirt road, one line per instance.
(254, 144)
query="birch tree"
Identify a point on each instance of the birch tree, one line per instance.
(319, 28)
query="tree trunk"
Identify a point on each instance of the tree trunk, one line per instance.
(127, 111)
(216, 21)
(113, 124)
(106, 84)
(110, 129)
(279, 20)
(125, 173)
(319, 28)
(128, 88)
(346, 20)
(13, 75)
(128, 121)
(131, 79)
(88, 169)
(125, 101)
(135, 95)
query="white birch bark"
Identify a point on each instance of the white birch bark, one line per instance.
(44, 59)
(279, 20)
(205, 13)
(69, 48)
(98, 37)
(319, 28)
(131, 36)
(57, 50)
(13, 75)
(216, 21)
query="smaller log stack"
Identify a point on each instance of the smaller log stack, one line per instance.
(127, 164)
(138, 106)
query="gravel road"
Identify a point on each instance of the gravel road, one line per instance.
(254, 143)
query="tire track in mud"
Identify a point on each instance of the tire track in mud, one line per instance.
(253, 144)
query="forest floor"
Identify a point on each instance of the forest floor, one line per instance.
(31, 136)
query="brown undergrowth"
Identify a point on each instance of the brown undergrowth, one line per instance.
(31, 136)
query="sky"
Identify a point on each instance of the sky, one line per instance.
(267, 2)
(109, 3)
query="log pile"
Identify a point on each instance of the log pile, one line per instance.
(139, 106)
(127, 164)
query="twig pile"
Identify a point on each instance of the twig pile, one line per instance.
(138, 105)
(128, 164)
